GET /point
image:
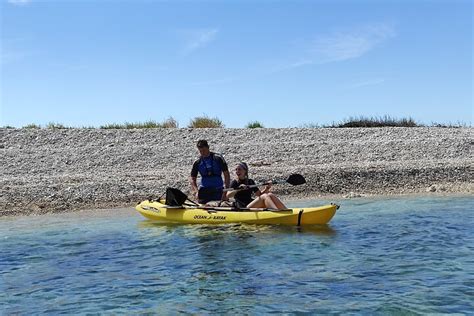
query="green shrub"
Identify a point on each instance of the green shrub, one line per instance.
(310, 125)
(146, 124)
(254, 124)
(32, 125)
(112, 126)
(168, 123)
(450, 125)
(53, 125)
(383, 121)
(205, 122)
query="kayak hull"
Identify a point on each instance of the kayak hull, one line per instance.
(157, 211)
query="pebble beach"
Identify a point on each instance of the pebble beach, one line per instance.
(63, 170)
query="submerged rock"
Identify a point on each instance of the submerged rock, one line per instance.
(431, 189)
(352, 195)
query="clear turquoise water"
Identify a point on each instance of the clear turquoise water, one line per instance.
(377, 256)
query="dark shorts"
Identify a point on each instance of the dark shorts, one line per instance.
(209, 194)
(240, 204)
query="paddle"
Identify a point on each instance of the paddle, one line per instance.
(293, 179)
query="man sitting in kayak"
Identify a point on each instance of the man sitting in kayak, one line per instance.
(210, 166)
(243, 193)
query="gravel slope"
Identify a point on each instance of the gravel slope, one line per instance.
(45, 170)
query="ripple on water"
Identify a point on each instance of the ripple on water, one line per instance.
(378, 256)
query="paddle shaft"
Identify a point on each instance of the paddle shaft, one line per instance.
(254, 186)
(294, 179)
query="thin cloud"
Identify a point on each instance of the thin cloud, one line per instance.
(293, 65)
(341, 46)
(196, 39)
(352, 44)
(19, 2)
(371, 82)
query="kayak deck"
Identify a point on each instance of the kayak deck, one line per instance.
(158, 211)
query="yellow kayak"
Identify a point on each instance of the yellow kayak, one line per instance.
(158, 211)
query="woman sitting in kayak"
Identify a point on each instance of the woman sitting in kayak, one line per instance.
(243, 194)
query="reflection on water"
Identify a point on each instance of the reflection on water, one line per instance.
(242, 229)
(377, 256)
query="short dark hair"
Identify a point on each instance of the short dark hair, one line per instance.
(202, 143)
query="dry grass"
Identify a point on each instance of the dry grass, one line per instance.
(205, 122)
(168, 123)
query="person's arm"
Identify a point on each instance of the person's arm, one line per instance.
(193, 179)
(225, 171)
(257, 191)
(230, 194)
(236, 188)
(226, 184)
(267, 188)
(226, 179)
(194, 187)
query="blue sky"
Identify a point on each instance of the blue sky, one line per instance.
(282, 63)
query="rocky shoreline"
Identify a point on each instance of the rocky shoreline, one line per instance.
(59, 170)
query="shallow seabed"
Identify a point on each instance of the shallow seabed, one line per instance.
(410, 255)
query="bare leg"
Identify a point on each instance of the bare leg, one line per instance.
(257, 203)
(267, 200)
(276, 201)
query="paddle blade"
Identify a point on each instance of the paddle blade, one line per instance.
(174, 197)
(296, 179)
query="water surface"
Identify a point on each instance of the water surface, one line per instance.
(379, 256)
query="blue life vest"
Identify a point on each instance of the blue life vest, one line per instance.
(210, 169)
